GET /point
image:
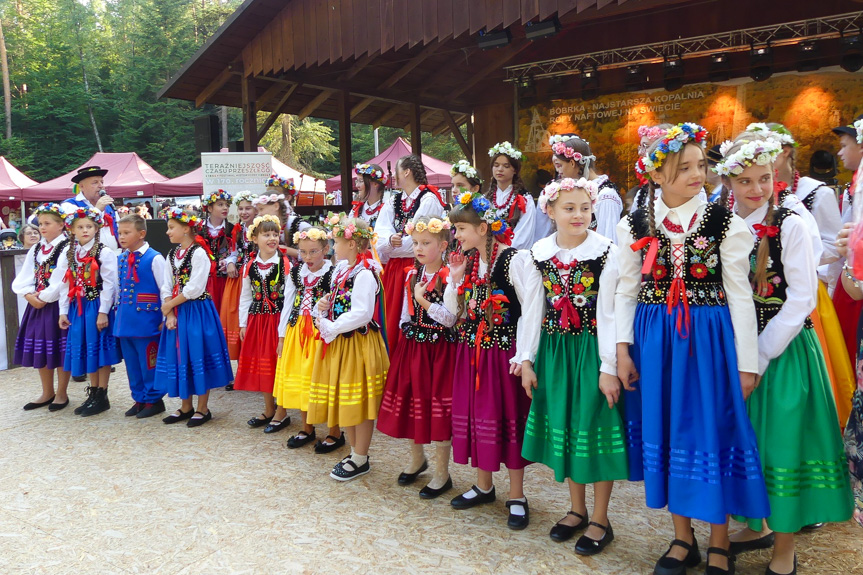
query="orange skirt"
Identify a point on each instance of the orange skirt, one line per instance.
(230, 315)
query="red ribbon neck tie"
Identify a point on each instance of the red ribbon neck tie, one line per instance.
(203, 243)
(132, 271)
(76, 290)
(677, 296)
(652, 245)
(519, 203)
(109, 223)
(770, 231)
(365, 258)
(568, 314)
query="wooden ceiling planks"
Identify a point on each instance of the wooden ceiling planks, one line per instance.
(511, 12)
(493, 13)
(460, 18)
(430, 21)
(387, 36)
(322, 25)
(361, 27)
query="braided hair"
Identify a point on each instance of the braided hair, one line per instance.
(414, 164)
(465, 214)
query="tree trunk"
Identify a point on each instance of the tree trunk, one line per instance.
(7, 92)
(87, 84)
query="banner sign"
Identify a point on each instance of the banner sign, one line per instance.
(236, 171)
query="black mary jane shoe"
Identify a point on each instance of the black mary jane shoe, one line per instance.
(300, 439)
(430, 493)
(199, 421)
(58, 406)
(276, 426)
(670, 566)
(345, 470)
(763, 542)
(770, 571)
(258, 422)
(408, 478)
(324, 447)
(462, 502)
(713, 569)
(33, 405)
(812, 527)
(178, 417)
(518, 522)
(230, 387)
(587, 546)
(562, 532)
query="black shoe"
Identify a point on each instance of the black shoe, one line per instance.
(151, 409)
(99, 404)
(275, 426)
(91, 394)
(32, 405)
(518, 522)
(347, 470)
(134, 410)
(770, 571)
(322, 447)
(113, 369)
(429, 493)
(230, 387)
(408, 478)
(296, 441)
(812, 527)
(58, 406)
(199, 421)
(764, 542)
(587, 546)
(669, 566)
(258, 422)
(714, 570)
(461, 502)
(79, 378)
(178, 417)
(562, 532)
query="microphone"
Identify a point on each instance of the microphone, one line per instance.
(103, 193)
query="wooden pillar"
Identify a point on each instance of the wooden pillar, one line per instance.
(416, 131)
(346, 161)
(250, 115)
(493, 125)
(470, 140)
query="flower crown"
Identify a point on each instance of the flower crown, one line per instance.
(485, 211)
(123, 210)
(651, 132)
(268, 199)
(175, 213)
(258, 221)
(464, 167)
(434, 225)
(214, 197)
(82, 213)
(672, 141)
(341, 226)
(551, 192)
(858, 126)
(286, 183)
(244, 196)
(780, 133)
(374, 172)
(561, 149)
(314, 234)
(504, 148)
(761, 152)
(50, 208)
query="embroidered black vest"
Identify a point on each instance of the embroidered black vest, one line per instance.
(220, 245)
(184, 270)
(245, 247)
(321, 288)
(583, 294)
(505, 319)
(268, 293)
(402, 217)
(342, 302)
(42, 272)
(421, 327)
(90, 292)
(702, 264)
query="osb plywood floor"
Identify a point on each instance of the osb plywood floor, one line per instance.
(109, 494)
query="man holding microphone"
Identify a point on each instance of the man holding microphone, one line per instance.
(90, 188)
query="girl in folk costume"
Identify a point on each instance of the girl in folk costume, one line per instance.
(242, 251)
(415, 200)
(371, 182)
(89, 283)
(261, 307)
(569, 370)
(684, 305)
(297, 340)
(489, 407)
(275, 203)
(41, 343)
(792, 408)
(193, 355)
(417, 400)
(217, 231)
(348, 378)
(507, 194)
(464, 178)
(573, 159)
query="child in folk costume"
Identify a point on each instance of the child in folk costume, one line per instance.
(261, 308)
(275, 204)
(570, 372)
(217, 232)
(489, 407)
(508, 195)
(242, 250)
(690, 321)
(138, 324)
(193, 355)
(298, 338)
(371, 182)
(464, 178)
(417, 401)
(415, 200)
(41, 343)
(348, 379)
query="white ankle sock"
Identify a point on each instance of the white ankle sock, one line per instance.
(359, 460)
(518, 509)
(471, 494)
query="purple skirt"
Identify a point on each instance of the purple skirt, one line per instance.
(488, 423)
(41, 342)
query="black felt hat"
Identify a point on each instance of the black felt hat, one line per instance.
(848, 130)
(88, 172)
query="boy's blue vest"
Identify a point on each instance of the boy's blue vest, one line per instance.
(139, 309)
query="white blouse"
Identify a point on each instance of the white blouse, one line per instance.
(25, 280)
(825, 210)
(608, 209)
(306, 301)
(385, 226)
(362, 310)
(107, 271)
(198, 275)
(436, 311)
(246, 289)
(702, 195)
(525, 229)
(794, 204)
(533, 313)
(734, 252)
(366, 208)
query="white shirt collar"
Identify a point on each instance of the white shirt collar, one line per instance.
(306, 272)
(592, 247)
(684, 212)
(272, 260)
(755, 217)
(143, 249)
(87, 246)
(504, 192)
(53, 242)
(215, 228)
(413, 195)
(81, 198)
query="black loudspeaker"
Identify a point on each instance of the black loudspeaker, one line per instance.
(207, 134)
(157, 236)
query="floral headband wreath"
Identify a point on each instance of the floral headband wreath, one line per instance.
(504, 148)
(341, 226)
(286, 184)
(258, 221)
(84, 213)
(552, 191)
(374, 172)
(672, 142)
(463, 167)
(52, 209)
(779, 133)
(314, 234)
(858, 126)
(244, 196)
(488, 214)
(208, 199)
(561, 149)
(265, 199)
(434, 226)
(651, 132)
(175, 213)
(761, 153)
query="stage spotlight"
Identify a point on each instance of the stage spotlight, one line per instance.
(489, 40)
(635, 78)
(720, 68)
(852, 53)
(537, 30)
(525, 83)
(761, 63)
(808, 57)
(672, 73)
(589, 82)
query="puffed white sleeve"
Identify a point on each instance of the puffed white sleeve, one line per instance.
(405, 316)
(167, 286)
(384, 229)
(628, 284)
(56, 284)
(519, 268)
(532, 312)
(450, 299)
(441, 314)
(158, 266)
(799, 268)
(25, 280)
(245, 300)
(825, 209)
(362, 308)
(197, 283)
(734, 252)
(608, 209)
(526, 226)
(606, 330)
(108, 271)
(106, 237)
(287, 306)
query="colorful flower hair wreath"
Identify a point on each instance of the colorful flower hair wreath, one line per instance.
(375, 173)
(268, 199)
(551, 192)
(258, 221)
(314, 234)
(285, 183)
(672, 142)
(434, 225)
(759, 152)
(342, 226)
(779, 133)
(244, 196)
(651, 132)
(464, 167)
(561, 149)
(486, 213)
(858, 126)
(175, 213)
(50, 208)
(212, 198)
(504, 148)
(84, 213)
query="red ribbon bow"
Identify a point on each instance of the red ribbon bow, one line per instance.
(76, 287)
(109, 221)
(132, 272)
(568, 314)
(76, 291)
(496, 302)
(770, 231)
(519, 203)
(652, 245)
(677, 296)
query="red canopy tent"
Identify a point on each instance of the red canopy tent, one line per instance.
(127, 175)
(12, 181)
(436, 170)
